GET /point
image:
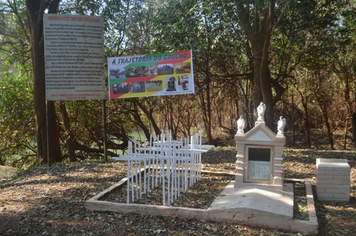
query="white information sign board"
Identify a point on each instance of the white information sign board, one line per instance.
(74, 57)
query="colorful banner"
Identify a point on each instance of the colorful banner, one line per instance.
(151, 75)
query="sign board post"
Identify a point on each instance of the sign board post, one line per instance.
(74, 65)
(74, 61)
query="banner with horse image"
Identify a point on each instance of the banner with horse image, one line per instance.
(151, 75)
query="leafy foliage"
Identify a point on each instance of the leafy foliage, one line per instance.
(17, 126)
(311, 61)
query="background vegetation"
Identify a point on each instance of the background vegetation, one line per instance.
(296, 56)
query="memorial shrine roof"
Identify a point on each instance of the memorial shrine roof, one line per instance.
(260, 133)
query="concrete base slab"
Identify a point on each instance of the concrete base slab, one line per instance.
(253, 205)
(263, 206)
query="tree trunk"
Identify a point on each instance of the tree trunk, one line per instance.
(266, 82)
(56, 155)
(329, 131)
(257, 96)
(305, 106)
(259, 34)
(70, 141)
(35, 10)
(171, 123)
(345, 134)
(267, 93)
(149, 115)
(208, 100)
(293, 131)
(205, 104)
(307, 126)
(353, 125)
(205, 101)
(140, 122)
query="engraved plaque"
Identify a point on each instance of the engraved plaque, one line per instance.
(259, 164)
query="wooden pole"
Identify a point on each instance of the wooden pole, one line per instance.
(49, 159)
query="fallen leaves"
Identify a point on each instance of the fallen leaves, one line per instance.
(49, 201)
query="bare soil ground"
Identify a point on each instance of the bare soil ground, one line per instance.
(50, 201)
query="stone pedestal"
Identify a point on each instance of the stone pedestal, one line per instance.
(333, 179)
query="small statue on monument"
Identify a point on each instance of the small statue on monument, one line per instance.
(241, 125)
(261, 111)
(280, 126)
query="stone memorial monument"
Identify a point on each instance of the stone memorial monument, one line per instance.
(259, 152)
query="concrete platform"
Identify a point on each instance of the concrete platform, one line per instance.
(261, 198)
(263, 206)
(256, 206)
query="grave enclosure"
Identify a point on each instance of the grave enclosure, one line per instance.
(257, 197)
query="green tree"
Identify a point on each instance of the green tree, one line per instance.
(208, 28)
(17, 125)
(345, 60)
(257, 20)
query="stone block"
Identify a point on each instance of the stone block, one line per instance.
(333, 179)
(325, 177)
(239, 178)
(342, 177)
(328, 182)
(325, 196)
(335, 172)
(277, 181)
(341, 195)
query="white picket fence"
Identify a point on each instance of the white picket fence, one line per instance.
(173, 165)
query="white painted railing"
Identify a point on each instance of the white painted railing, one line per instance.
(172, 165)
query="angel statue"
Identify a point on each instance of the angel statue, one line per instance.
(280, 125)
(241, 125)
(261, 111)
